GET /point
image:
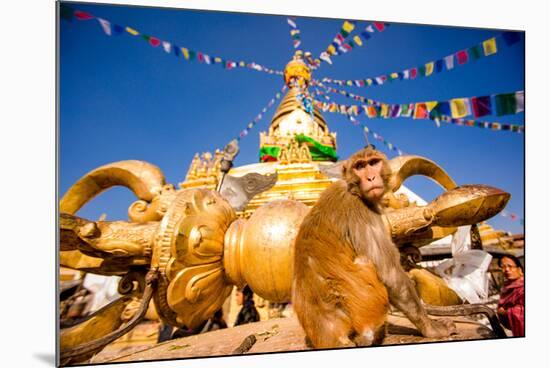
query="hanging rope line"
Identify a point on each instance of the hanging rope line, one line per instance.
(259, 117)
(340, 46)
(483, 49)
(111, 29)
(294, 32)
(378, 137)
(438, 111)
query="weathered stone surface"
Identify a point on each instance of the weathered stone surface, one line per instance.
(279, 335)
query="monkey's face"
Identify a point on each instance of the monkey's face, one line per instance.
(371, 182)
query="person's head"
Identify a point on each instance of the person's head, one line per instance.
(511, 267)
(244, 295)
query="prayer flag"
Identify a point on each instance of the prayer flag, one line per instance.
(520, 101)
(442, 108)
(439, 66)
(348, 26)
(132, 31)
(369, 28)
(154, 41)
(422, 70)
(490, 46)
(429, 68)
(430, 105)
(291, 22)
(176, 50)
(462, 57)
(406, 74)
(357, 41)
(475, 52)
(217, 60)
(511, 37)
(185, 53)
(460, 107)
(117, 29)
(166, 46)
(420, 111)
(449, 62)
(365, 35)
(379, 26)
(80, 15)
(481, 106)
(414, 72)
(384, 110)
(200, 57)
(505, 103)
(331, 50)
(106, 25)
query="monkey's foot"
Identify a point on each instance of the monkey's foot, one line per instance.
(439, 328)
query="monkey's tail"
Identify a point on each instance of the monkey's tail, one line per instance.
(469, 309)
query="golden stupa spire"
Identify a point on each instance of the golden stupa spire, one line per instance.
(296, 114)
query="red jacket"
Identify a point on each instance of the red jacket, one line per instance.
(512, 298)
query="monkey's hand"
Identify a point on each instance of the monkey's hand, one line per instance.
(439, 328)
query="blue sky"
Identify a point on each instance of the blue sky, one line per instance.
(122, 99)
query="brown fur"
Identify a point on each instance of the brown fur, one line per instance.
(347, 269)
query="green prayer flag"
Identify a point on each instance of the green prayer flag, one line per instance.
(267, 153)
(422, 70)
(475, 52)
(192, 55)
(318, 151)
(506, 104)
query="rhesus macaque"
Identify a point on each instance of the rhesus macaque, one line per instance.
(347, 269)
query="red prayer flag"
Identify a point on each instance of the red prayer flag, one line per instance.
(379, 26)
(413, 72)
(462, 57)
(200, 57)
(154, 41)
(82, 15)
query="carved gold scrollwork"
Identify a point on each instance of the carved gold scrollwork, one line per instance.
(188, 251)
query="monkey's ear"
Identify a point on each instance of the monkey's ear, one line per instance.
(345, 168)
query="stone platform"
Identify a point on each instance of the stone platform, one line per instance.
(275, 335)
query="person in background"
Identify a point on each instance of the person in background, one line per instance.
(511, 304)
(248, 312)
(215, 323)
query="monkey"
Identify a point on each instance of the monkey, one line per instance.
(347, 270)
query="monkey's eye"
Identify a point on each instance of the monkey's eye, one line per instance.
(360, 165)
(374, 161)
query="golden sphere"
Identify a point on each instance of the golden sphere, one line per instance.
(264, 249)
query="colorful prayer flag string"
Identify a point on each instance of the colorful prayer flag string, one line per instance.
(458, 108)
(376, 136)
(294, 32)
(483, 49)
(110, 29)
(340, 45)
(259, 117)
(416, 111)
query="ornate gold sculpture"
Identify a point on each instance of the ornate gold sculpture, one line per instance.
(193, 247)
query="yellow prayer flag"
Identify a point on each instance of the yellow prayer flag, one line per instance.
(369, 81)
(185, 53)
(358, 41)
(217, 60)
(132, 31)
(384, 110)
(430, 105)
(490, 46)
(348, 27)
(459, 107)
(394, 75)
(429, 68)
(331, 50)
